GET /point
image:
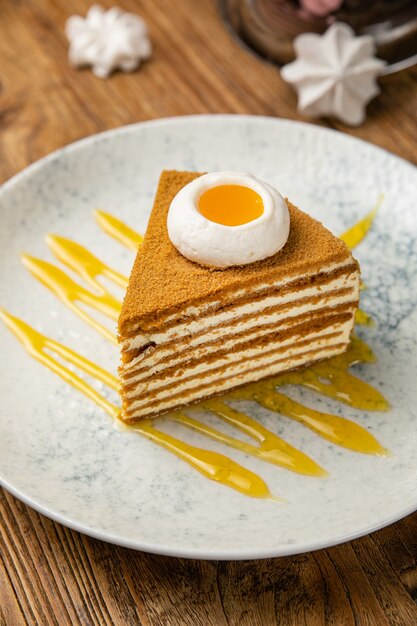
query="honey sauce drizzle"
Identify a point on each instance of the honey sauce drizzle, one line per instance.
(39, 346)
(83, 262)
(354, 235)
(271, 448)
(338, 430)
(212, 465)
(363, 319)
(330, 378)
(118, 230)
(71, 293)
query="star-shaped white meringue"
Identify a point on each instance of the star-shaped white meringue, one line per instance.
(334, 73)
(107, 40)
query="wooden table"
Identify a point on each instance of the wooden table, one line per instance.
(52, 575)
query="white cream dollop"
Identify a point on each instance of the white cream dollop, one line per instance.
(206, 242)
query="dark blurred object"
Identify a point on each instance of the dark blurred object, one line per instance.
(269, 26)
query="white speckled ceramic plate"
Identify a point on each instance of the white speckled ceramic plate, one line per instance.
(62, 455)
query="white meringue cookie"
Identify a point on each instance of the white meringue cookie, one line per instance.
(107, 40)
(210, 243)
(334, 73)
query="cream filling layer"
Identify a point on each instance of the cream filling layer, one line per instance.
(250, 328)
(236, 363)
(192, 327)
(268, 367)
(230, 344)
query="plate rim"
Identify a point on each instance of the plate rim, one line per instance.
(195, 553)
(165, 548)
(80, 143)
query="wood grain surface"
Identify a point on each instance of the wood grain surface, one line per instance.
(52, 575)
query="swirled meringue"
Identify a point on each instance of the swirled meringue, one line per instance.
(107, 40)
(334, 73)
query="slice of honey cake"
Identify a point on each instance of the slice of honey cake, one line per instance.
(252, 287)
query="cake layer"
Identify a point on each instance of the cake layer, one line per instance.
(298, 282)
(227, 380)
(294, 284)
(345, 277)
(294, 304)
(175, 355)
(183, 377)
(236, 363)
(201, 344)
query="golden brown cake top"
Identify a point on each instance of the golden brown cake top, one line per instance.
(163, 281)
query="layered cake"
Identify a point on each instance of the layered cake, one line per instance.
(232, 284)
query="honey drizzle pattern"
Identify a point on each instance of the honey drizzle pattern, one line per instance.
(330, 378)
